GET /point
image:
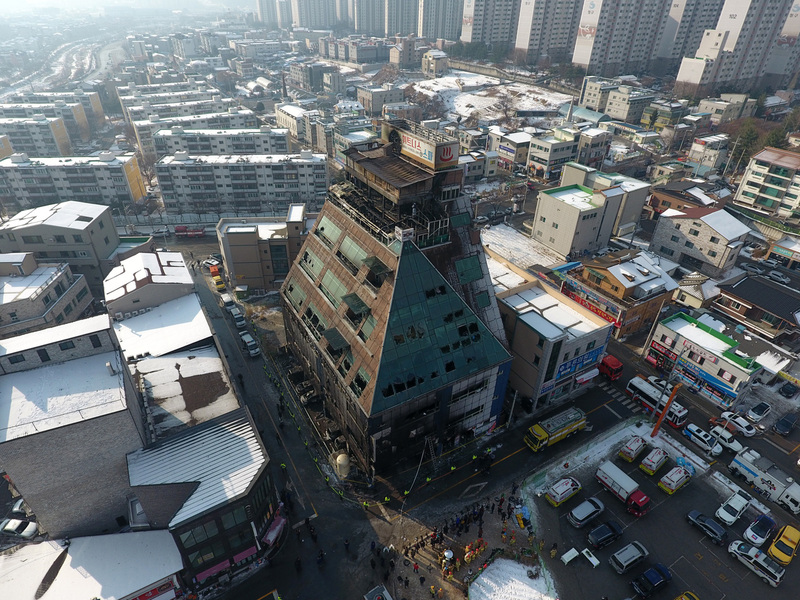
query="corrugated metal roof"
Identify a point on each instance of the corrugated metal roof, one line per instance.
(222, 456)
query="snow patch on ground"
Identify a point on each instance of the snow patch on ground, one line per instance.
(508, 580)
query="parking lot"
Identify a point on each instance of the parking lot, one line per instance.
(696, 563)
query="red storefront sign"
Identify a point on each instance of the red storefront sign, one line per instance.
(155, 592)
(664, 350)
(586, 304)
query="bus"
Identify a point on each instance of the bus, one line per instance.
(654, 398)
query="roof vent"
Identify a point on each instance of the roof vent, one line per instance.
(106, 156)
(181, 155)
(19, 157)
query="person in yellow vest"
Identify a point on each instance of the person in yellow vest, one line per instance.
(433, 591)
(440, 593)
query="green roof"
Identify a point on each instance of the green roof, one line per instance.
(432, 338)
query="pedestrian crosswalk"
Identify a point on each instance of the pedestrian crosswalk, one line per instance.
(620, 397)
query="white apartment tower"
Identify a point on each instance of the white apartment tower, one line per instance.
(440, 19)
(546, 30)
(369, 16)
(401, 17)
(738, 50)
(314, 14)
(489, 21)
(683, 31)
(267, 13)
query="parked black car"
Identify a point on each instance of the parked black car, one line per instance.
(788, 389)
(605, 534)
(785, 424)
(715, 532)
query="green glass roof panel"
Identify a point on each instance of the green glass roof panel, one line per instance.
(460, 220)
(432, 338)
(335, 339)
(376, 265)
(356, 304)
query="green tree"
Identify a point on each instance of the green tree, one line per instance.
(776, 138)
(746, 143)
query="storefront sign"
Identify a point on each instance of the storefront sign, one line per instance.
(578, 362)
(157, 591)
(507, 149)
(547, 386)
(663, 350)
(586, 304)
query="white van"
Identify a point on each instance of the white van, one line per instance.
(250, 344)
(227, 302)
(562, 490)
(238, 318)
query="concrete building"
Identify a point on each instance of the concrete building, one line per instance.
(309, 75)
(79, 233)
(512, 148)
(635, 193)
(771, 184)
(595, 91)
(103, 179)
(728, 107)
(434, 63)
(549, 153)
(627, 103)
(490, 22)
(37, 136)
(372, 98)
(708, 152)
(292, 118)
(144, 281)
(681, 32)
(38, 295)
(92, 106)
(168, 110)
(264, 140)
(378, 285)
(407, 51)
(736, 52)
(139, 95)
(593, 146)
(6, 149)
(235, 118)
(267, 14)
(369, 16)
(557, 344)
(661, 113)
(477, 165)
(402, 110)
(707, 240)
(72, 113)
(701, 356)
(251, 183)
(70, 405)
(546, 31)
(627, 288)
(574, 220)
(313, 14)
(401, 17)
(259, 251)
(440, 19)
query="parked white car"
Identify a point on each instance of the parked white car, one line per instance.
(726, 439)
(703, 439)
(738, 421)
(734, 507)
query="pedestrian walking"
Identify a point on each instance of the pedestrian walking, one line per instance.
(372, 546)
(553, 550)
(372, 563)
(433, 591)
(416, 568)
(500, 502)
(491, 509)
(514, 488)
(541, 546)
(405, 582)
(346, 545)
(421, 580)
(440, 593)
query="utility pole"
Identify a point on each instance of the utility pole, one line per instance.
(730, 155)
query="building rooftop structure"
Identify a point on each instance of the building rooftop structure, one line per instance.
(253, 159)
(103, 158)
(143, 269)
(102, 566)
(516, 248)
(178, 130)
(718, 219)
(70, 214)
(189, 119)
(22, 287)
(222, 458)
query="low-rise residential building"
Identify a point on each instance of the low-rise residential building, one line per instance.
(661, 113)
(39, 295)
(512, 148)
(92, 105)
(575, 220)
(728, 107)
(235, 118)
(308, 76)
(696, 290)
(763, 306)
(707, 240)
(549, 153)
(264, 140)
(108, 179)
(72, 113)
(434, 63)
(700, 355)
(71, 408)
(595, 91)
(771, 184)
(627, 103)
(685, 194)
(478, 164)
(78, 233)
(253, 183)
(709, 152)
(402, 110)
(292, 118)
(372, 98)
(634, 193)
(593, 145)
(627, 288)
(470, 139)
(556, 343)
(259, 250)
(37, 136)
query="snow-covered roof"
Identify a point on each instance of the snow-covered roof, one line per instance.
(70, 214)
(13, 289)
(253, 159)
(145, 268)
(550, 316)
(502, 276)
(516, 248)
(52, 335)
(168, 327)
(519, 137)
(725, 224)
(789, 243)
(60, 394)
(223, 457)
(102, 566)
(644, 272)
(256, 131)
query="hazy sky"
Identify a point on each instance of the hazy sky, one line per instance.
(93, 4)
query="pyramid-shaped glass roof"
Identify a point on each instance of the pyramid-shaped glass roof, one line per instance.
(432, 338)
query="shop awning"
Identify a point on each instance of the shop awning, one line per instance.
(356, 304)
(335, 339)
(274, 531)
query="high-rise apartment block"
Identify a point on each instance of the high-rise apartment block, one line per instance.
(440, 19)
(313, 14)
(489, 21)
(90, 101)
(264, 140)
(104, 179)
(255, 183)
(155, 99)
(37, 136)
(72, 113)
(268, 13)
(771, 184)
(216, 104)
(401, 17)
